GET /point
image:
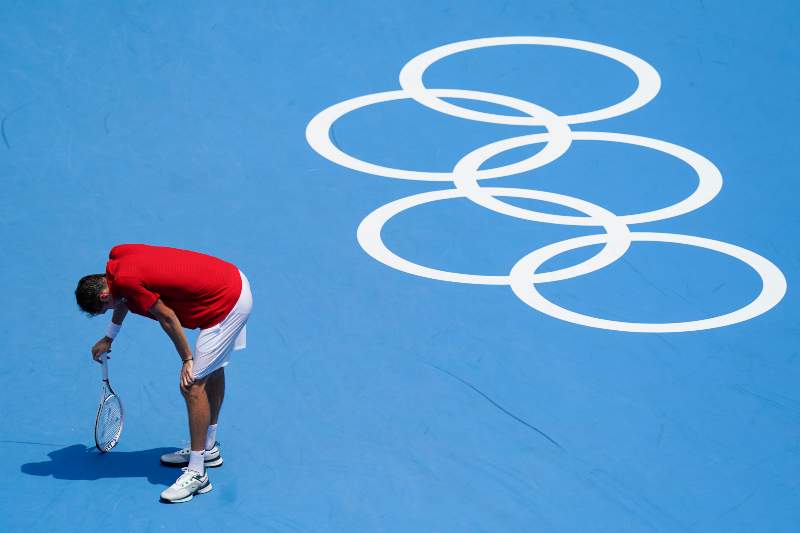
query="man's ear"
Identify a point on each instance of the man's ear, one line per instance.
(105, 296)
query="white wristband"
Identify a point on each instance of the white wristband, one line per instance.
(112, 330)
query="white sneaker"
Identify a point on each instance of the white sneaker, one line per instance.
(181, 457)
(184, 489)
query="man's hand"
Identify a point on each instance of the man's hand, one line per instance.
(187, 377)
(103, 345)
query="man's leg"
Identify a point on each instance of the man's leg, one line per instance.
(199, 411)
(203, 403)
(194, 479)
(215, 388)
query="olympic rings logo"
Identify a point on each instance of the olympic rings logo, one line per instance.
(467, 176)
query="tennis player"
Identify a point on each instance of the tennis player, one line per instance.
(180, 289)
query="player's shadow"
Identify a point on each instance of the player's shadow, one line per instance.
(81, 463)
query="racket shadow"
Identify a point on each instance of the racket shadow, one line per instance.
(77, 462)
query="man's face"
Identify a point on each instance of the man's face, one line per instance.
(107, 301)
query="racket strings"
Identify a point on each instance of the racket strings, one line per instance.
(109, 423)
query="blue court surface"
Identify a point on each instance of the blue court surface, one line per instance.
(524, 266)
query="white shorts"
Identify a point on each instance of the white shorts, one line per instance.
(214, 345)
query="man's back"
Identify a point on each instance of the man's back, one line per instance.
(201, 289)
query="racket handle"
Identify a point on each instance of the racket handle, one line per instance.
(103, 360)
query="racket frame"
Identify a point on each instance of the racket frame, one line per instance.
(106, 393)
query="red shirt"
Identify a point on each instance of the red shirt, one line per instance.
(201, 289)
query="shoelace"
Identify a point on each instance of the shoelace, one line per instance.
(187, 477)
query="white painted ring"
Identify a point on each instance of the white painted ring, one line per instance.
(319, 138)
(708, 186)
(649, 82)
(369, 236)
(523, 279)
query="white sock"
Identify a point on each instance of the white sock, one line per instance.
(211, 436)
(197, 461)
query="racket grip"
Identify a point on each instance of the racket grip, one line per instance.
(103, 360)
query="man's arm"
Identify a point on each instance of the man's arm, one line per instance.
(172, 326)
(120, 310)
(104, 344)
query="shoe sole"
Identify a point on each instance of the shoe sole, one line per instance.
(208, 464)
(202, 490)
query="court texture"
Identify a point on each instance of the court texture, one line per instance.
(517, 266)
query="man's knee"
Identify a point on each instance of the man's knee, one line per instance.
(193, 391)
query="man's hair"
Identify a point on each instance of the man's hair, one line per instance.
(88, 293)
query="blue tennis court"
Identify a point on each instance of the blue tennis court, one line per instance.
(520, 266)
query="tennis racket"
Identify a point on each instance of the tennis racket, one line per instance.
(108, 424)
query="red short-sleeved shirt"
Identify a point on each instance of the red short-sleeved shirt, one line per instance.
(201, 289)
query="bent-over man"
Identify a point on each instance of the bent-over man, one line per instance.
(180, 289)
